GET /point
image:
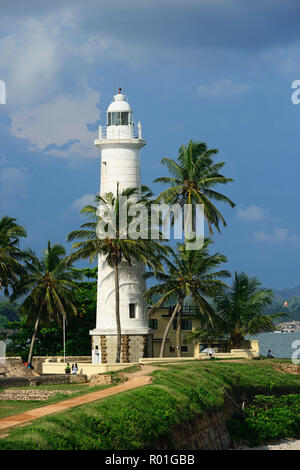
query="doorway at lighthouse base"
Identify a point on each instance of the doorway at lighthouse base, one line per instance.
(133, 348)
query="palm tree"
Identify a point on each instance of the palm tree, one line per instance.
(49, 288)
(116, 247)
(239, 314)
(189, 274)
(10, 254)
(193, 177)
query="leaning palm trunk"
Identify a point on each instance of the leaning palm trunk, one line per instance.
(178, 306)
(117, 310)
(178, 333)
(36, 326)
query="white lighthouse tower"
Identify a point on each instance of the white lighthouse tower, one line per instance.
(120, 143)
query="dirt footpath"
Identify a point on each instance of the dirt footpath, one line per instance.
(135, 380)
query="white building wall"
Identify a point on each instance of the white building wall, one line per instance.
(132, 288)
(120, 163)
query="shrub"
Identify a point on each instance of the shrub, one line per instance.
(266, 419)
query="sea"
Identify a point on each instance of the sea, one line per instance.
(282, 345)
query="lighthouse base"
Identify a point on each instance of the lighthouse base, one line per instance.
(133, 347)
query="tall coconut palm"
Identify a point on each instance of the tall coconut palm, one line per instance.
(48, 287)
(10, 254)
(115, 246)
(189, 274)
(239, 310)
(193, 178)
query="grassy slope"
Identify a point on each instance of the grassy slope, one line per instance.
(137, 418)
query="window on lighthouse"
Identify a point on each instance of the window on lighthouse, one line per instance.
(132, 309)
(118, 119)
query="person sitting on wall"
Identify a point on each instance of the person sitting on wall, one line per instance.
(68, 369)
(74, 369)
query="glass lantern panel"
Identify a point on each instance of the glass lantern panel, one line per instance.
(124, 119)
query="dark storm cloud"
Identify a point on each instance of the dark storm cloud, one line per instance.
(237, 24)
(232, 23)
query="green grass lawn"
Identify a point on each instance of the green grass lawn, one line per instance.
(12, 407)
(8, 407)
(136, 419)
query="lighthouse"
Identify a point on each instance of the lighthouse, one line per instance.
(120, 142)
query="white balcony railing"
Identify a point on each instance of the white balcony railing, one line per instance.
(120, 132)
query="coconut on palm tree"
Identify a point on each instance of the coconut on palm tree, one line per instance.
(107, 234)
(238, 312)
(10, 254)
(48, 286)
(193, 179)
(192, 274)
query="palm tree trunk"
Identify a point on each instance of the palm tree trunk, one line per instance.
(117, 311)
(178, 306)
(178, 333)
(34, 336)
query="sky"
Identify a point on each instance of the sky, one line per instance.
(218, 71)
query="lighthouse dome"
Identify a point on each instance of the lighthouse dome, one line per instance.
(119, 104)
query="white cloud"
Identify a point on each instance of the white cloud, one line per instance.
(82, 201)
(44, 56)
(29, 62)
(279, 235)
(34, 61)
(13, 185)
(59, 127)
(252, 213)
(223, 87)
(42, 59)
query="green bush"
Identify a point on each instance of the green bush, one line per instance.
(266, 419)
